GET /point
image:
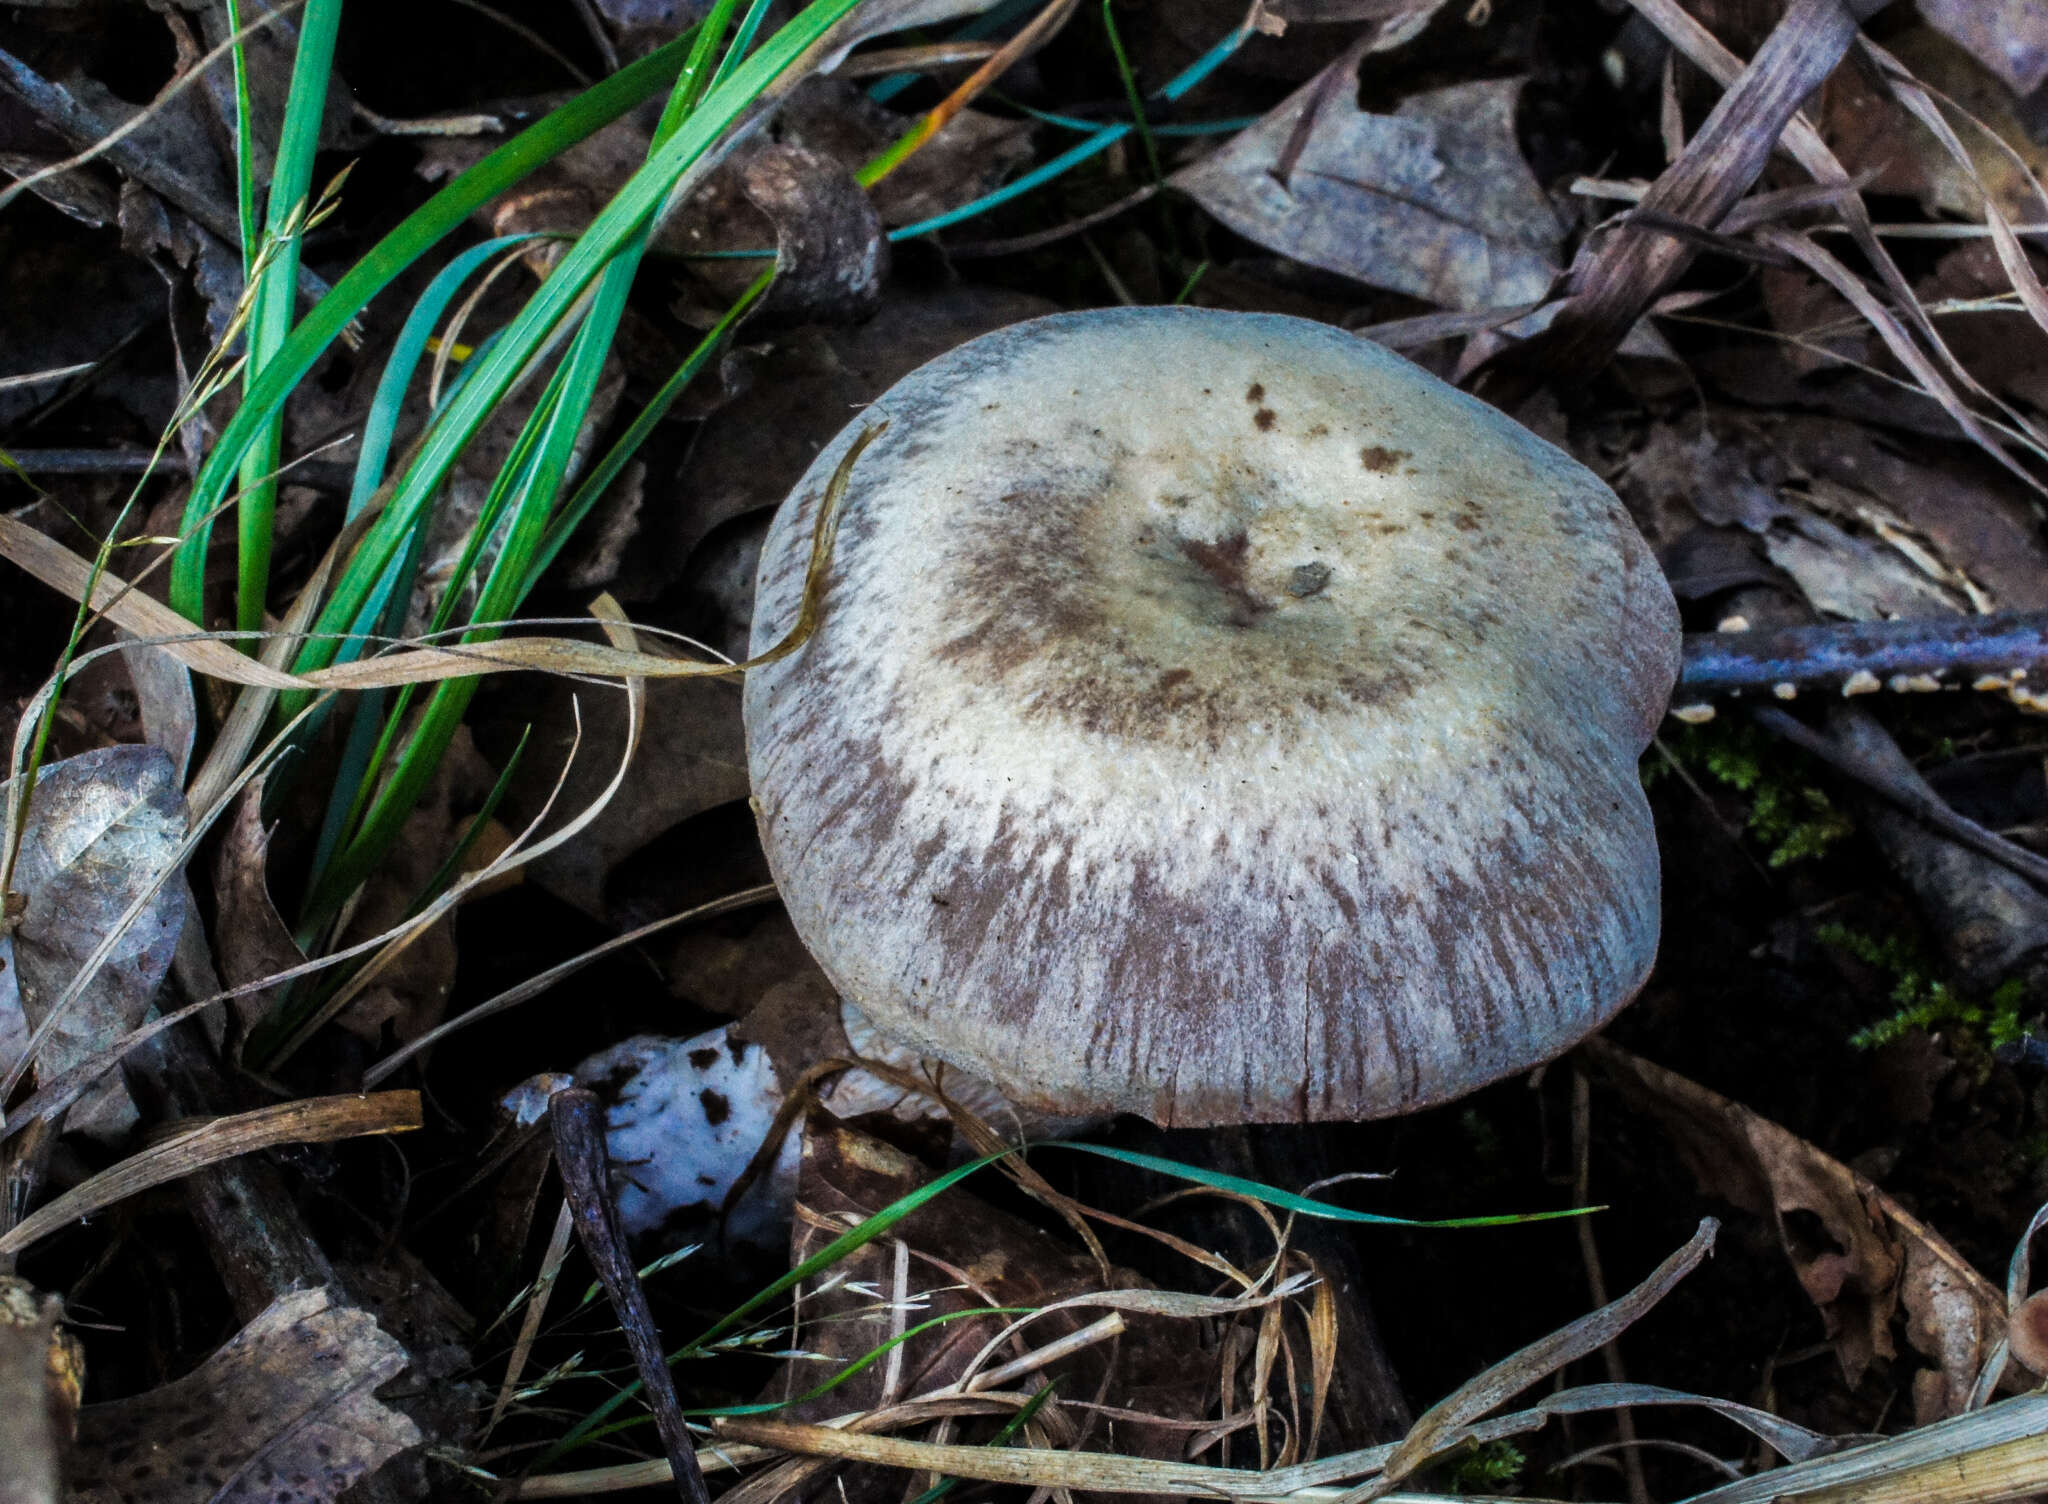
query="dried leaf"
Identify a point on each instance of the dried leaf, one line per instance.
(170, 713)
(311, 1120)
(286, 1413)
(1875, 1254)
(830, 257)
(252, 941)
(1434, 200)
(41, 1371)
(102, 830)
(2010, 37)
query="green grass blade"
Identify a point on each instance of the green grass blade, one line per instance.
(607, 469)
(270, 320)
(539, 143)
(607, 235)
(1288, 1201)
(245, 138)
(847, 1242)
(388, 404)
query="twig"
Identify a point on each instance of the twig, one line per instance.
(586, 1179)
(1916, 799)
(1992, 652)
(135, 157)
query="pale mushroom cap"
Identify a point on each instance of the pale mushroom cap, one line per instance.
(1214, 717)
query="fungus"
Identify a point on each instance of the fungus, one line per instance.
(1213, 717)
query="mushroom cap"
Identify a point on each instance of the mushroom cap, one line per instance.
(1214, 717)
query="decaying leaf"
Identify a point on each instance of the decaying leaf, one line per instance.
(164, 699)
(1872, 133)
(1434, 200)
(285, 1413)
(103, 830)
(692, 758)
(830, 257)
(41, 1371)
(252, 940)
(2010, 37)
(1873, 1256)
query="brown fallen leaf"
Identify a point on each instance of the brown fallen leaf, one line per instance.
(2010, 37)
(41, 1372)
(1872, 133)
(791, 398)
(1876, 1258)
(103, 830)
(1434, 200)
(411, 994)
(252, 941)
(285, 1413)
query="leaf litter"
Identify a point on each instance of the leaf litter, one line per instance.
(1870, 507)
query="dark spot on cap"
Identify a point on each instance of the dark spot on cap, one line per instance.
(1264, 419)
(1308, 580)
(716, 1108)
(1256, 392)
(704, 1059)
(1224, 562)
(1379, 459)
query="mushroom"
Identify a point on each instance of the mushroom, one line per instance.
(1213, 717)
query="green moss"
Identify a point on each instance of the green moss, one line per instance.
(1791, 818)
(1485, 1469)
(1922, 999)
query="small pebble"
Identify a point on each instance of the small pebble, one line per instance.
(1862, 682)
(1693, 715)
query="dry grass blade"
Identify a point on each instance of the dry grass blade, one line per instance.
(1032, 1466)
(536, 1307)
(1996, 1453)
(1700, 47)
(1485, 1393)
(205, 653)
(534, 986)
(517, 854)
(316, 1120)
(1920, 102)
(1717, 167)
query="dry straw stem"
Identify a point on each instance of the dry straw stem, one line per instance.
(54, 1096)
(1804, 144)
(159, 626)
(316, 1120)
(1451, 1424)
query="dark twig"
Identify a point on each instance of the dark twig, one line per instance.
(1625, 274)
(578, 1122)
(138, 155)
(1910, 795)
(1012, 245)
(1971, 647)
